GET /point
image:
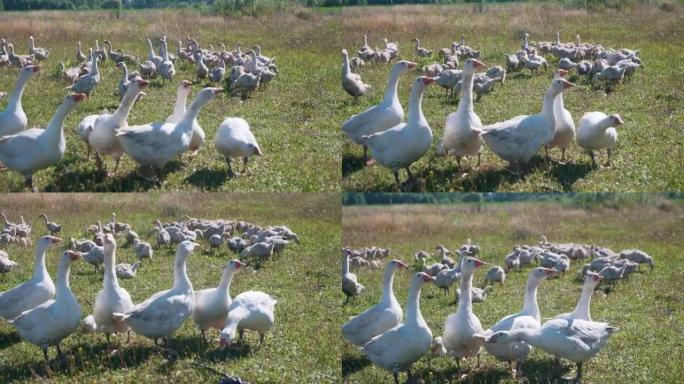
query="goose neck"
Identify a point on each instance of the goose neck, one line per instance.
(467, 91)
(54, 130)
(192, 111)
(387, 286)
(582, 310)
(121, 113)
(181, 281)
(345, 65)
(109, 274)
(530, 306)
(63, 270)
(14, 101)
(40, 270)
(547, 107)
(415, 112)
(226, 280)
(413, 315)
(391, 95)
(345, 265)
(465, 302)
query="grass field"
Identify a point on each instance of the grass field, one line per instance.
(647, 307)
(301, 148)
(302, 346)
(649, 143)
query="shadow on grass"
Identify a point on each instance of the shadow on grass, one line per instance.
(69, 178)
(351, 164)
(9, 339)
(483, 375)
(567, 174)
(208, 179)
(352, 364)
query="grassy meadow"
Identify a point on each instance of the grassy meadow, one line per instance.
(301, 148)
(301, 347)
(647, 307)
(648, 154)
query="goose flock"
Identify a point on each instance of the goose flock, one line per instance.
(394, 343)
(151, 145)
(396, 144)
(29, 305)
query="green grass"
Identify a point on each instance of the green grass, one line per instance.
(647, 307)
(301, 151)
(648, 154)
(301, 347)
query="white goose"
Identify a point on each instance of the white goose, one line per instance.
(166, 69)
(103, 135)
(405, 143)
(112, 298)
(351, 82)
(6, 265)
(50, 322)
(350, 285)
(127, 271)
(582, 310)
(87, 83)
(156, 144)
(521, 137)
(597, 130)
(235, 139)
(383, 116)
(529, 317)
(397, 349)
(575, 340)
(34, 149)
(211, 304)
(380, 317)
(463, 334)
(13, 119)
(564, 131)
(463, 127)
(179, 110)
(251, 310)
(164, 312)
(31, 293)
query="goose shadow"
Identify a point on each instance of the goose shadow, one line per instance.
(520, 75)
(208, 179)
(219, 354)
(353, 363)
(472, 375)
(543, 371)
(351, 164)
(9, 339)
(567, 174)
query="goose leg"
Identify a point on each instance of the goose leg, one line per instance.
(242, 334)
(396, 377)
(396, 177)
(98, 161)
(244, 165)
(45, 354)
(261, 338)
(408, 171)
(593, 159)
(563, 156)
(578, 378)
(346, 301)
(230, 168)
(479, 159)
(607, 164)
(116, 166)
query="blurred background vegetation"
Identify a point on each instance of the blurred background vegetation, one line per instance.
(256, 7)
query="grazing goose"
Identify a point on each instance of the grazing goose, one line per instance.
(112, 298)
(202, 69)
(18, 61)
(6, 265)
(564, 129)
(166, 68)
(447, 277)
(52, 321)
(520, 138)
(211, 304)
(251, 310)
(398, 348)
(581, 311)
(495, 274)
(143, 249)
(463, 127)
(151, 56)
(53, 228)
(575, 340)
(81, 246)
(420, 51)
(216, 74)
(235, 139)
(351, 82)
(528, 318)
(95, 256)
(379, 318)
(39, 53)
(127, 271)
(383, 116)
(402, 145)
(147, 69)
(103, 135)
(13, 119)
(34, 149)
(636, 256)
(596, 131)
(156, 144)
(31, 293)
(70, 74)
(126, 79)
(117, 56)
(80, 56)
(87, 83)
(350, 286)
(463, 334)
(164, 312)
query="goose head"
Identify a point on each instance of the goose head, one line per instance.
(109, 243)
(46, 242)
(472, 65)
(29, 71)
(470, 264)
(185, 249)
(397, 264)
(254, 149)
(207, 94)
(136, 86)
(501, 337)
(559, 85)
(592, 278)
(70, 256)
(75, 98)
(345, 54)
(185, 86)
(421, 278)
(122, 65)
(539, 274)
(234, 265)
(560, 73)
(616, 119)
